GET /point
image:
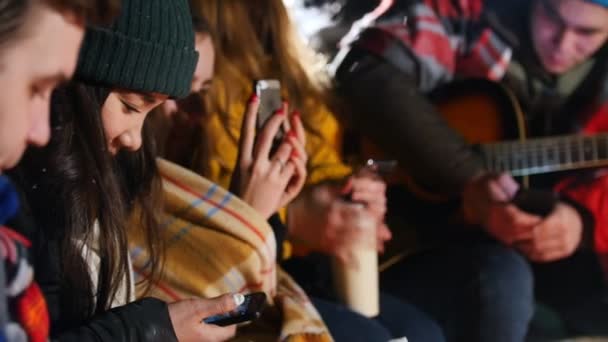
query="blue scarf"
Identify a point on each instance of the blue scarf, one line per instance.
(9, 204)
(9, 201)
(600, 2)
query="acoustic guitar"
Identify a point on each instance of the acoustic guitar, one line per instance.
(491, 119)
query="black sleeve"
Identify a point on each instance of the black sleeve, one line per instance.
(280, 233)
(144, 320)
(387, 107)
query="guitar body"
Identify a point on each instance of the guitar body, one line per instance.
(481, 111)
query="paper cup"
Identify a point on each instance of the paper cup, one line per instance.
(357, 284)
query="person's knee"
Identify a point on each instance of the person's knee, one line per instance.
(506, 282)
(354, 328)
(346, 325)
(427, 330)
(403, 319)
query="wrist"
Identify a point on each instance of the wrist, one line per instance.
(471, 210)
(586, 220)
(469, 215)
(473, 178)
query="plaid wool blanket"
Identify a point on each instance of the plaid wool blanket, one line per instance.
(216, 243)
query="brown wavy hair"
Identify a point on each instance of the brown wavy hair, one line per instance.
(256, 40)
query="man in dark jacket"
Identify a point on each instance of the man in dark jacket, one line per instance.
(30, 29)
(552, 55)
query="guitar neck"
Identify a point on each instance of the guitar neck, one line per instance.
(544, 155)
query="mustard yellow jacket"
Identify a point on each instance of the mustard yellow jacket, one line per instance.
(218, 149)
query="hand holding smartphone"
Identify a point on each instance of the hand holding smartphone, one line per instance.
(375, 168)
(250, 310)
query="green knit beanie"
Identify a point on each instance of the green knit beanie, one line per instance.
(149, 48)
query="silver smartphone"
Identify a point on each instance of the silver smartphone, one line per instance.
(269, 94)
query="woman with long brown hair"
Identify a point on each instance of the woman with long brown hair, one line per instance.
(210, 247)
(255, 40)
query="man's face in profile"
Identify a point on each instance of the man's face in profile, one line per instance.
(565, 33)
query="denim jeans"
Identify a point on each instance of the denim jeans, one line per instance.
(397, 319)
(477, 290)
(346, 325)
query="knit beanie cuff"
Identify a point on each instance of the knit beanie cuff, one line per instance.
(600, 2)
(113, 59)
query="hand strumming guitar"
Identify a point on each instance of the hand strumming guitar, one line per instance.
(487, 202)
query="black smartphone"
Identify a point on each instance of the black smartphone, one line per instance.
(269, 94)
(250, 310)
(382, 168)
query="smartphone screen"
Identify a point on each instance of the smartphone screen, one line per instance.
(250, 310)
(269, 94)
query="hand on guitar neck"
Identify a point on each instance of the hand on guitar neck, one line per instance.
(488, 200)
